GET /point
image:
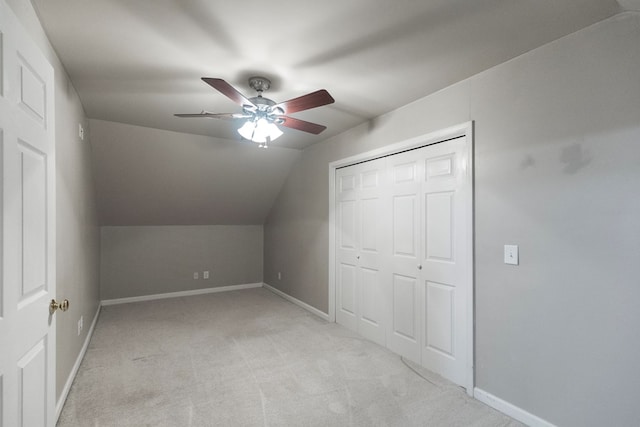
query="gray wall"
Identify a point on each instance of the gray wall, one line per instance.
(77, 271)
(557, 162)
(147, 260)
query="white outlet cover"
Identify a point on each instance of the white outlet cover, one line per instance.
(511, 254)
(205, 275)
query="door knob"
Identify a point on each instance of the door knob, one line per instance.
(358, 256)
(419, 267)
(55, 305)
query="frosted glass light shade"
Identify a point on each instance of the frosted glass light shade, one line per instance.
(259, 131)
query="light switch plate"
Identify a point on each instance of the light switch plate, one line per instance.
(511, 254)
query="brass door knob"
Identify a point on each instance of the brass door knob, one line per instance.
(55, 305)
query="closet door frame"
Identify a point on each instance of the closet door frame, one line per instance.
(462, 130)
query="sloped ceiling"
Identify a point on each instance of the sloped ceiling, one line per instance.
(139, 62)
(150, 176)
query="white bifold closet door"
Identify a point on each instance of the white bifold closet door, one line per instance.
(446, 251)
(361, 265)
(403, 254)
(405, 178)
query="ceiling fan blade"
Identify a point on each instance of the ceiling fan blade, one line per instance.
(228, 90)
(302, 125)
(305, 102)
(227, 116)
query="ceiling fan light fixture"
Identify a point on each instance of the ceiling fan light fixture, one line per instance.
(263, 114)
(260, 131)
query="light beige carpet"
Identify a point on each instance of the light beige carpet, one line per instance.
(250, 358)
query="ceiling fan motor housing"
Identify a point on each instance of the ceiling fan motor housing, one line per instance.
(264, 110)
(259, 84)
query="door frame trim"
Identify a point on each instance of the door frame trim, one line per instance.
(461, 130)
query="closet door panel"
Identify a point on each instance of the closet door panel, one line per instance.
(371, 263)
(347, 236)
(445, 259)
(347, 289)
(403, 333)
(440, 322)
(370, 297)
(404, 309)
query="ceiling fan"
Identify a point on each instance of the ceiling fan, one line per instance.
(262, 115)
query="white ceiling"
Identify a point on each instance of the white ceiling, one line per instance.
(140, 61)
(135, 63)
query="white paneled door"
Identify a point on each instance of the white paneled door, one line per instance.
(405, 174)
(446, 259)
(361, 268)
(27, 329)
(403, 255)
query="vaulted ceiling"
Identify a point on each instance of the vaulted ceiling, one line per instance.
(139, 62)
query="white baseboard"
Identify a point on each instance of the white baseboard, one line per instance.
(510, 409)
(180, 294)
(297, 302)
(76, 366)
